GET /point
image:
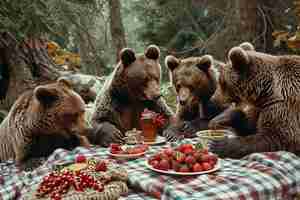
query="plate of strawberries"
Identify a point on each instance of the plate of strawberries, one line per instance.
(185, 159)
(127, 151)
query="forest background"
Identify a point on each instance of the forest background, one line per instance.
(86, 35)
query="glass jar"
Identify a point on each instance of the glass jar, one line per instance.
(148, 127)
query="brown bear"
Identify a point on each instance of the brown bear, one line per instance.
(241, 119)
(133, 86)
(194, 80)
(41, 120)
(268, 87)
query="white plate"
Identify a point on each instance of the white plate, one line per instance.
(158, 140)
(126, 156)
(171, 172)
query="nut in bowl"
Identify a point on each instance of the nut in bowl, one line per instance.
(207, 135)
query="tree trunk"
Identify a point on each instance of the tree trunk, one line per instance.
(116, 26)
(24, 66)
(247, 11)
(244, 22)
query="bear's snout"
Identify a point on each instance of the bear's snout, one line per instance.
(184, 96)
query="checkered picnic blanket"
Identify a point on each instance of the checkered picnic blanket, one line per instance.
(258, 176)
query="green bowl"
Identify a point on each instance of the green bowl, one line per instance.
(207, 135)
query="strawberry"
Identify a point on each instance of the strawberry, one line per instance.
(164, 165)
(182, 148)
(197, 167)
(154, 163)
(213, 159)
(144, 147)
(198, 156)
(204, 151)
(80, 158)
(188, 151)
(175, 165)
(180, 157)
(115, 148)
(190, 160)
(206, 166)
(157, 157)
(184, 169)
(162, 156)
(168, 152)
(205, 158)
(188, 146)
(101, 166)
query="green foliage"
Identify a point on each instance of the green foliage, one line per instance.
(169, 94)
(176, 25)
(37, 17)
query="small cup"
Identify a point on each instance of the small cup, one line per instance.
(149, 128)
(213, 135)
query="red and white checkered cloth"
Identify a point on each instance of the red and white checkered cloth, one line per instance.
(258, 176)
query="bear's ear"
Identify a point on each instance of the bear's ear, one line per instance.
(239, 58)
(64, 82)
(127, 56)
(247, 46)
(152, 52)
(171, 62)
(205, 62)
(45, 95)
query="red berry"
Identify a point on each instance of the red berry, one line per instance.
(205, 158)
(101, 166)
(164, 165)
(198, 156)
(144, 147)
(204, 151)
(80, 158)
(175, 165)
(114, 146)
(189, 146)
(197, 167)
(214, 158)
(168, 152)
(206, 166)
(190, 160)
(157, 157)
(155, 164)
(188, 151)
(184, 169)
(180, 157)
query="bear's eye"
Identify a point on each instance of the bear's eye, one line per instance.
(178, 86)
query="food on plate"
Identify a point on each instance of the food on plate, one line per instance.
(133, 136)
(89, 179)
(128, 149)
(184, 158)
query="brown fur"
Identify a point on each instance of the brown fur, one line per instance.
(133, 86)
(53, 109)
(271, 85)
(195, 82)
